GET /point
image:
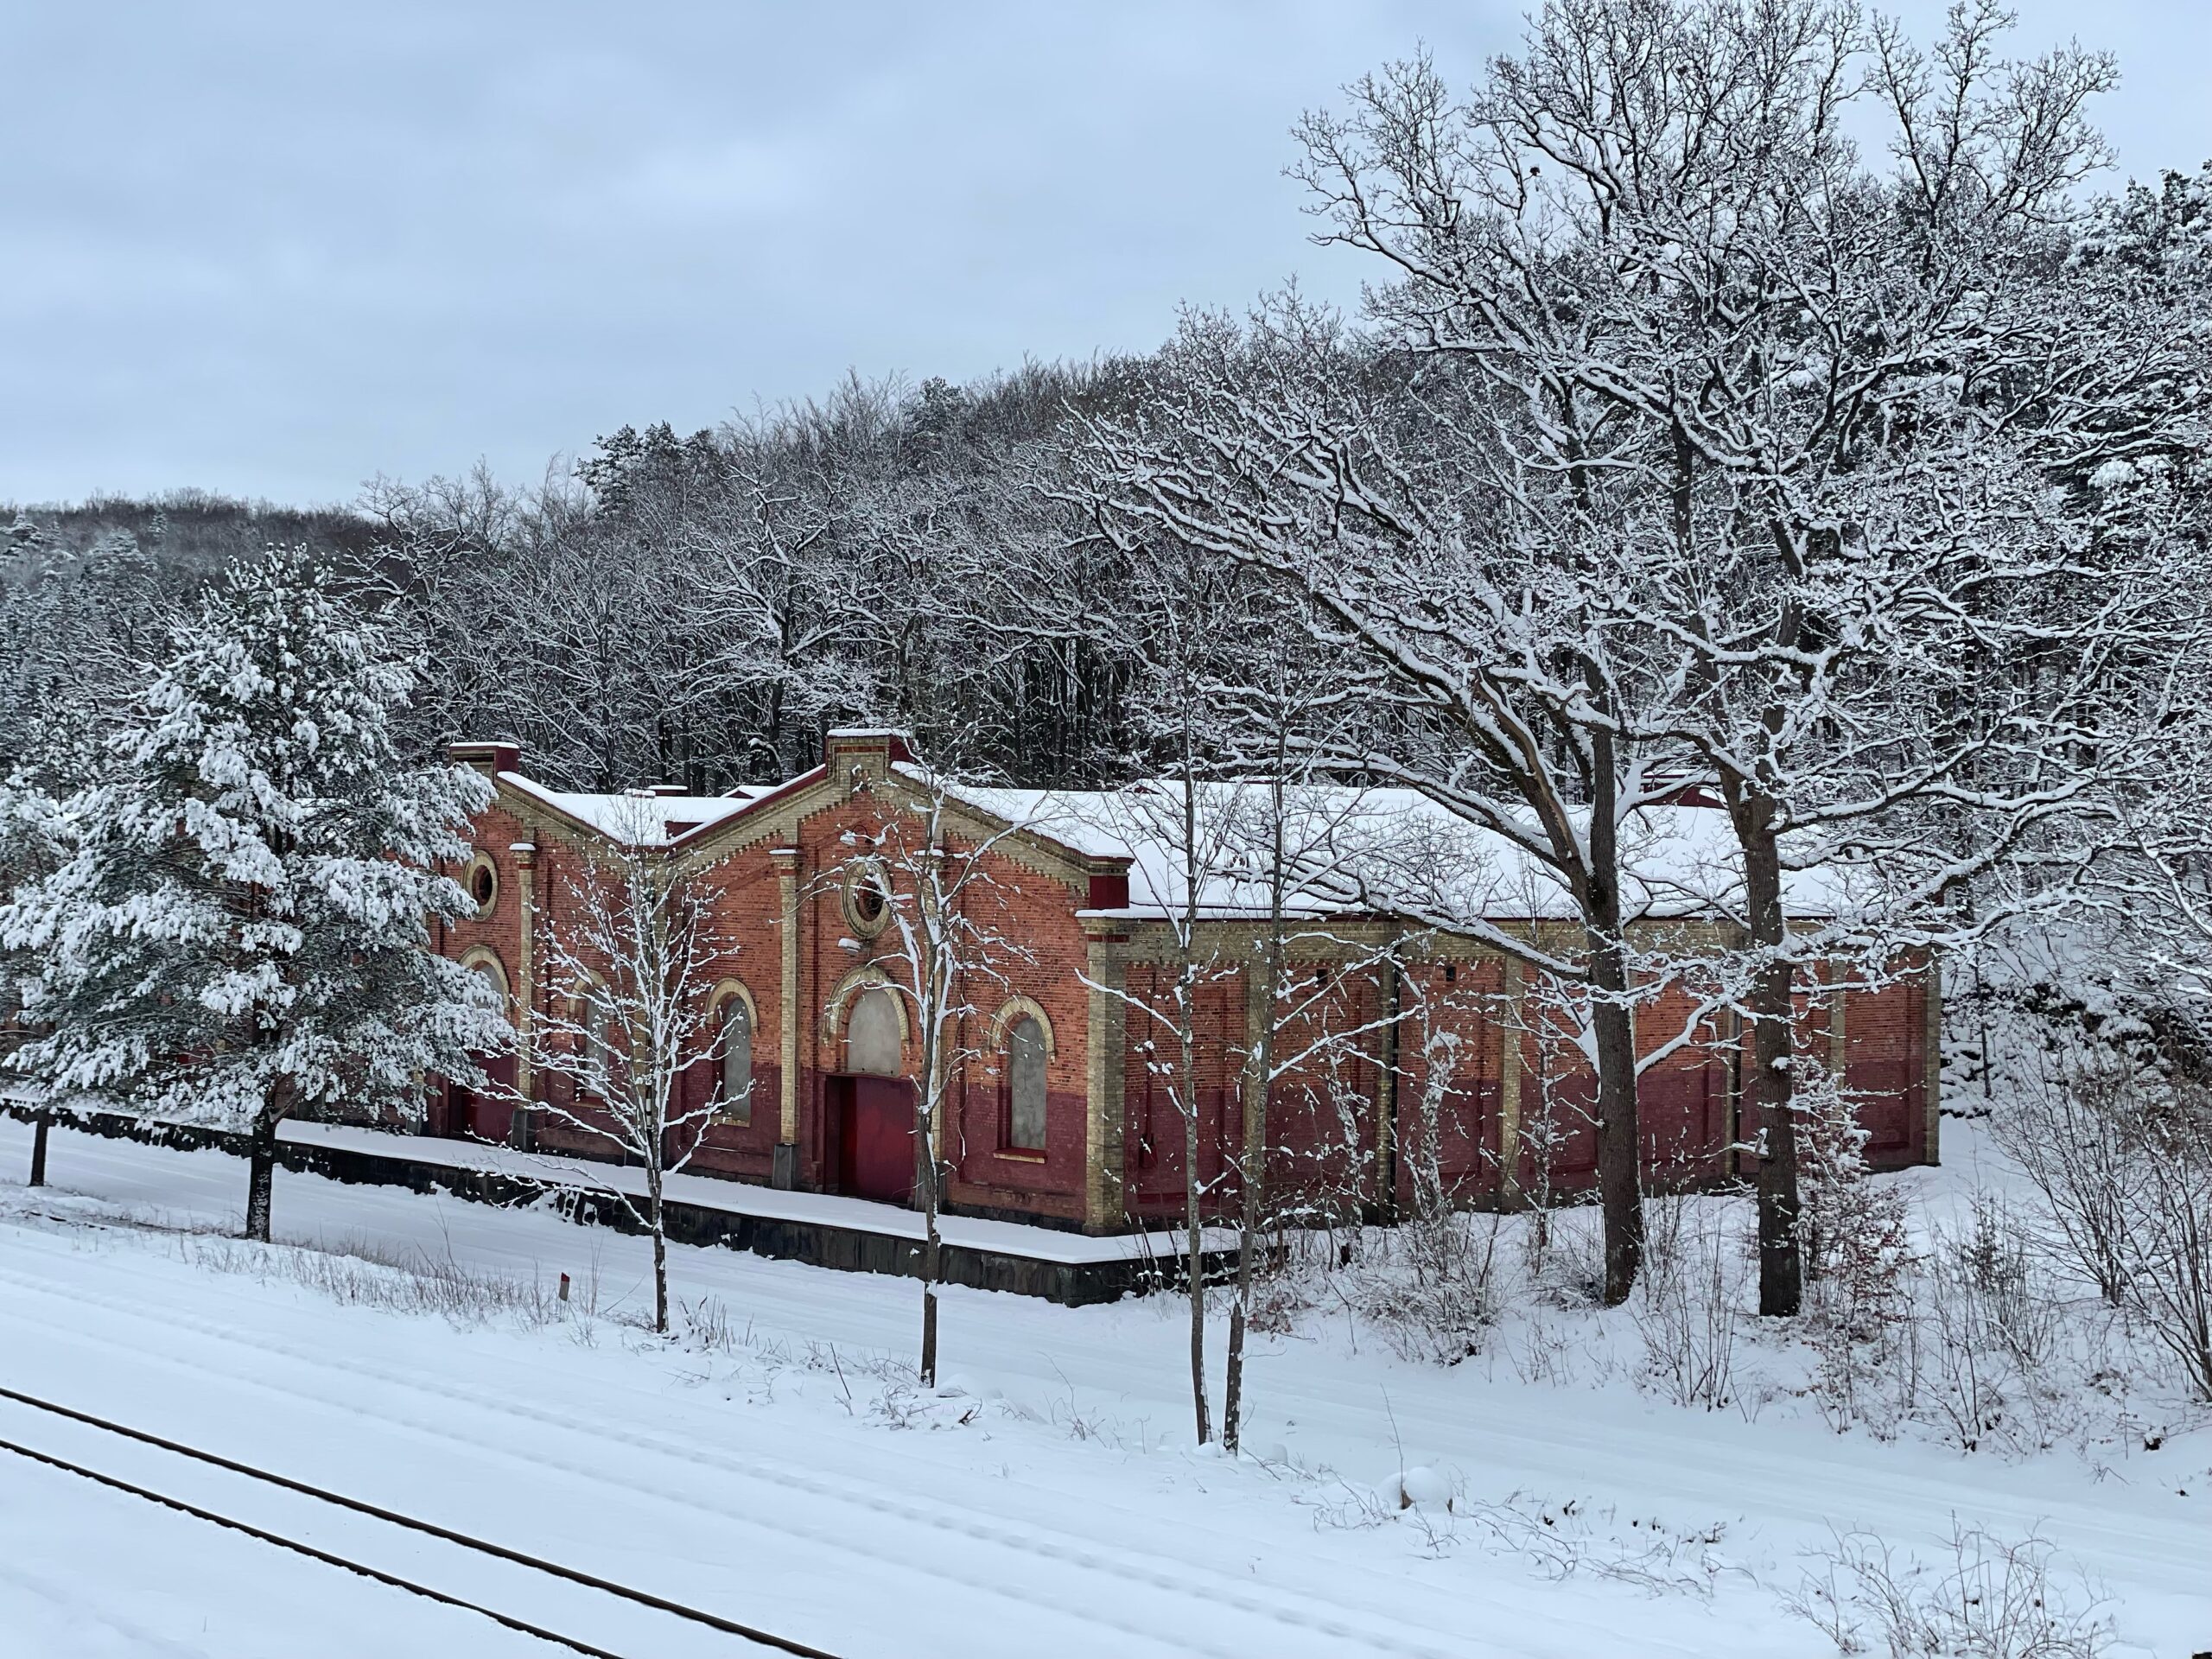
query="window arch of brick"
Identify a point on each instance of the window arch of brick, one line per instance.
(866, 900)
(1016, 1008)
(1022, 1042)
(483, 959)
(735, 1043)
(597, 1035)
(845, 1000)
(479, 880)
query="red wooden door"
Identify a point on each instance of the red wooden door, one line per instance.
(880, 1139)
(488, 1115)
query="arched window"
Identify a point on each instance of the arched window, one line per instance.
(872, 1036)
(737, 1062)
(484, 962)
(1024, 1084)
(599, 1043)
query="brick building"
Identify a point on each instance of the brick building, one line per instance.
(1406, 1053)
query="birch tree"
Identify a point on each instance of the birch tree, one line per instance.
(930, 859)
(631, 960)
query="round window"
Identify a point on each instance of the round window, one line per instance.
(868, 902)
(868, 899)
(482, 882)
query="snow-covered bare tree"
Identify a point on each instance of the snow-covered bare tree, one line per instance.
(1179, 618)
(1804, 426)
(1194, 826)
(631, 960)
(237, 929)
(77, 630)
(1472, 626)
(930, 865)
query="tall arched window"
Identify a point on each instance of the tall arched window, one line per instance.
(598, 1044)
(1024, 1084)
(737, 1062)
(872, 1038)
(484, 962)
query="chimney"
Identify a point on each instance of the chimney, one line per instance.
(864, 754)
(490, 759)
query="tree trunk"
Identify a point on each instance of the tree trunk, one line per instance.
(40, 1126)
(931, 1251)
(261, 1173)
(1620, 1182)
(1260, 1075)
(1186, 1046)
(1620, 1186)
(660, 1251)
(1773, 1086)
(1193, 1212)
(1246, 1248)
(931, 1248)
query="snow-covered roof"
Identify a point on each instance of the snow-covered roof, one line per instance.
(642, 817)
(1083, 821)
(1370, 849)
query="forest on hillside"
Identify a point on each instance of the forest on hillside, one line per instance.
(690, 610)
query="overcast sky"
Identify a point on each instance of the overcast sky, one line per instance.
(275, 250)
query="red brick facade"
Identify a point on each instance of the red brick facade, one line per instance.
(1348, 1122)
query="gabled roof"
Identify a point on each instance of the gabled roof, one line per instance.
(1367, 849)
(638, 817)
(1352, 849)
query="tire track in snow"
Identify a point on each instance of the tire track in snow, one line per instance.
(945, 1518)
(142, 1638)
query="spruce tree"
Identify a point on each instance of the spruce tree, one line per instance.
(239, 927)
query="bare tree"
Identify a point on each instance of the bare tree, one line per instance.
(1475, 631)
(932, 862)
(1196, 828)
(631, 960)
(1799, 420)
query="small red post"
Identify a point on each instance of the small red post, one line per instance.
(564, 1287)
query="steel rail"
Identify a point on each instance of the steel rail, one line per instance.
(339, 1500)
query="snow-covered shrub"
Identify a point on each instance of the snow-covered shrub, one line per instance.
(1569, 1272)
(1290, 1273)
(1958, 1379)
(1994, 1258)
(2121, 1151)
(1858, 1259)
(2056, 1127)
(1994, 1599)
(1686, 1302)
(2170, 1234)
(1433, 1293)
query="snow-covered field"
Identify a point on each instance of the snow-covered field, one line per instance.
(772, 1465)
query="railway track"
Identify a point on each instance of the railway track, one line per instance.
(755, 1640)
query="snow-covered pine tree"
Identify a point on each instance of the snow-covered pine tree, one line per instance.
(239, 927)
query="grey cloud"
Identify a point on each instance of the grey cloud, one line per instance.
(276, 249)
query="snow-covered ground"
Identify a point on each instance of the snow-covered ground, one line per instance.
(772, 1465)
